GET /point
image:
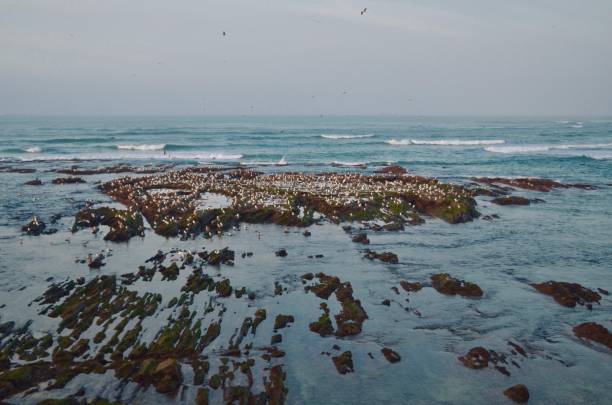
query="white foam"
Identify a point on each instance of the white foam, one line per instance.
(545, 148)
(445, 142)
(143, 147)
(33, 149)
(348, 164)
(343, 136)
(132, 156)
(282, 162)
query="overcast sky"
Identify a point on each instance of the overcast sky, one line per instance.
(412, 57)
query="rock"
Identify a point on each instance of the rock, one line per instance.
(595, 332)
(518, 393)
(390, 355)
(34, 228)
(68, 180)
(223, 288)
(35, 182)
(223, 256)
(282, 321)
(393, 169)
(124, 224)
(202, 396)
(567, 294)
(511, 200)
(445, 284)
(167, 377)
(530, 183)
(386, 257)
(477, 358)
(95, 262)
(275, 339)
(281, 253)
(410, 287)
(386, 302)
(170, 272)
(323, 326)
(306, 233)
(344, 362)
(361, 238)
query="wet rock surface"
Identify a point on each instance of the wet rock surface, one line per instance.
(344, 362)
(67, 180)
(445, 284)
(385, 257)
(568, 294)
(511, 200)
(594, 332)
(517, 393)
(530, 183)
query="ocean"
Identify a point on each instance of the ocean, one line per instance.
(566, 237)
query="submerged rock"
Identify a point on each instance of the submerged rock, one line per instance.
(361, 238)
(390, 355)
(567, 294)
(281, 253)
(445, 284)
(68, 180)
(35, 182)
(511, 200)
(410, 287)
(518, 393)
(595, 332)
(386, 257)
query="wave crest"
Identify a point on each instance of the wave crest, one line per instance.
(545, 148)
(445, 142)
(143, 147)
(343, 136)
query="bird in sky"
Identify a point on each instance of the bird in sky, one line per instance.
(364, 11)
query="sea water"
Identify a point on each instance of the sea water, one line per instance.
(568, 238)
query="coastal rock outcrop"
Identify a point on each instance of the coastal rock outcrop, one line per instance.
(595, 332)
(568, 294)
(445, 284)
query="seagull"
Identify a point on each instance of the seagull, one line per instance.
(364, 11)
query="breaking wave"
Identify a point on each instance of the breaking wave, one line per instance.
(341, 136)
(143, 147)
(445, 142)
(545, 148)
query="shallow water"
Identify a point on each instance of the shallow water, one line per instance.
(566, 238)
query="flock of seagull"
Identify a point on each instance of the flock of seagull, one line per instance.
(246, 189)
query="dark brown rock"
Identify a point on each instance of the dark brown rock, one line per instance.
(390, 355)
(595, 332)
(445, 284)
(518, 393)
(344, 362)
(567, 294)
(476, 358)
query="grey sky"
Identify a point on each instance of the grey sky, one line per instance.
(511, 57)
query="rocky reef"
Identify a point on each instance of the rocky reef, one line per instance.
(175, 203)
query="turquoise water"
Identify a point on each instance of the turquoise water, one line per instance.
(566, 238)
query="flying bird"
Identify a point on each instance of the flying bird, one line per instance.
(364, 11)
